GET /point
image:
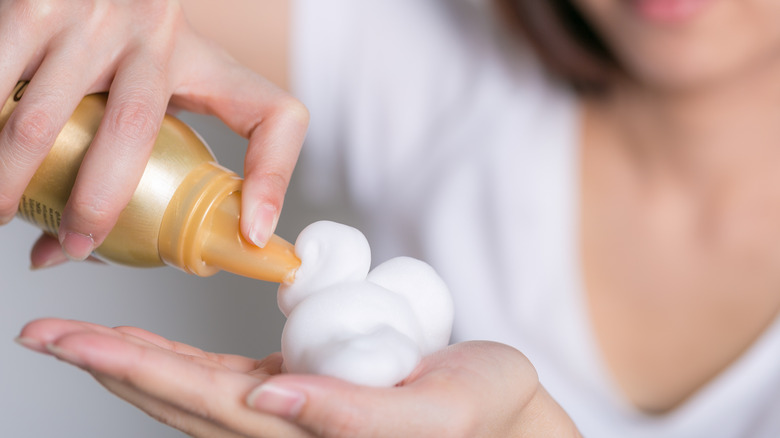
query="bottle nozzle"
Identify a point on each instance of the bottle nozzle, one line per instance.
(200, 232)
(224, 247)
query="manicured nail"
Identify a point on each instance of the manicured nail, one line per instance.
(77, 246)
(32, 344)
(272, 399)
(65, 355)
(263, 222)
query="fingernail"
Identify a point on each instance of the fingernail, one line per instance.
(272, 399)
(65, 355)
(56, 258)
(263, 222)
(77, 246)
(32, 344)
(5, 219)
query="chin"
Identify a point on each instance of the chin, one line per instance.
(712, 42)
(720, 62)
(687, 70)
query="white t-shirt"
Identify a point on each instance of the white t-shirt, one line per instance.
(456, 148)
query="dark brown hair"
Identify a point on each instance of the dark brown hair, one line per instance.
(564, 41)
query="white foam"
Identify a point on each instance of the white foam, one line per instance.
(370, 328)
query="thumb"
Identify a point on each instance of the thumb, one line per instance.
(467, 389)
(328, 407)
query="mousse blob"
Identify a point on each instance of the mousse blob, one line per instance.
(367, 327)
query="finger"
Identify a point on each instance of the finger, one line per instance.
(22, 40)
(32, 128)
(44, 331)
(328, 407)
(274, 145)
(273, 121)
(210, 393)
(46, 252)
(164, 412)
(271, 364)
(452, 393)
(40, 333)
(36, 335)
(118, 155)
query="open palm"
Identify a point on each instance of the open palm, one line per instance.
(177, 384)
(470, 389)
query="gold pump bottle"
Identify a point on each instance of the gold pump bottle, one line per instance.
(184, 212)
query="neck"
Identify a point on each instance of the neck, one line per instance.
(710, 133)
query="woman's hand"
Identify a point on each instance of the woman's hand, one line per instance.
(202, 394)
(467, 390)
(145, 54)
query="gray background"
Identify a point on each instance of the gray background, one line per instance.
(41, 397)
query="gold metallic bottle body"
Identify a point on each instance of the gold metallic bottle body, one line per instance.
(184, 212)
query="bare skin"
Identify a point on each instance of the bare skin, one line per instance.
(146, 55)
(680, 248)
(256, 33)
(680, 194)
(469, 389)
(681, 271)
(681, 198)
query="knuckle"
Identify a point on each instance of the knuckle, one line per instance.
(160, 16)
(292, 111)
(134, 119)
(34, 130)
(94, 211)
(97, 13)
(34, 12)
(153, 7)
(274, 181)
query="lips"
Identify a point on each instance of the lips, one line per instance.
(669, 11)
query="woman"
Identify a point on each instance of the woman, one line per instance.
(620, 231)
